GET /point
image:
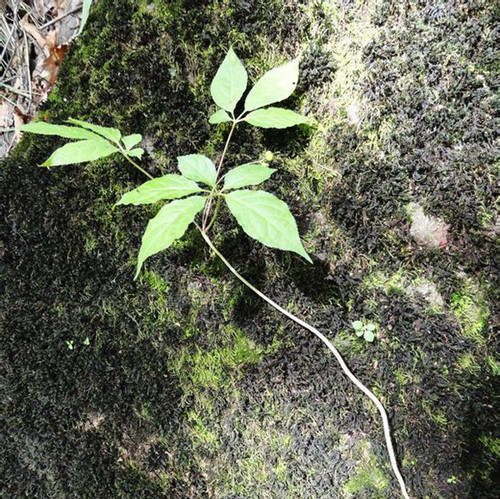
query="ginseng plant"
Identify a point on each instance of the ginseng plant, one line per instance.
(202, 186)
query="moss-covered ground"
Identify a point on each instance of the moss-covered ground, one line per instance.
(182, 384)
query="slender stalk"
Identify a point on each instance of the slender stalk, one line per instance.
(132, 162)
(208, 206)
(336, 353)
(216, 211)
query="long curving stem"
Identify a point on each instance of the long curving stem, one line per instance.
(336, 353)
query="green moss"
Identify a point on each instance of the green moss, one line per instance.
(215, 368)
(491, 443)
(369, 476)
(467, 362)
(469, 308)
(387, 283)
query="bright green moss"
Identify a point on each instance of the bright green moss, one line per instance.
(469, 309)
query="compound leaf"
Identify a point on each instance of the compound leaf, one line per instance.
(219, 116)
(276, 85)
(130, 141)
(229, 82)
(112, 134)
(68, 132)
(245, 175)
(80, 152)
(275, 117)
(169, 224)
(169, 186)
(198, 168)
(267, 219)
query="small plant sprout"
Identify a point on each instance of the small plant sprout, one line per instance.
(365, 330)
(203, 186)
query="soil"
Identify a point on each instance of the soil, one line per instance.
(182, 383)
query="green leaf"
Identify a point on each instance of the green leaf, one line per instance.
(198, 168)
(229, 83)
(370, 327)
(68, 132)
(130, 141)
(80, 152)
(168, 225)
(359, 333)
(369, 336)
(275, 117)
(167, 187)
(276, 85)
(245, 175)
(219, 117)
(85, 14)
(267, 219)
(357, 325)
(136, 153)
(108, 133)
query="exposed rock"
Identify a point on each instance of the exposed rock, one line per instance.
(426, 230)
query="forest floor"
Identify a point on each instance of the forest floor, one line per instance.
(182, 383)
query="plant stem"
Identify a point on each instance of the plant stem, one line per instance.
(131, 161)
(336, 353)
(214, 215)
(208, 206)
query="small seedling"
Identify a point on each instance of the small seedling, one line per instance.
(452, 480)
(365, 330)
(86, 341)
(70, 344)
(202, 188)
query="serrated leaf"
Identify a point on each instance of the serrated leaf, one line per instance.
(198, 168)
(169, 224)
(276, 85)
(229, 82)
(219, 116)
(275, 117)
(112, 134)
(136, 153)
(267, 219)
(68, 132)
(357, 325)
(369, 336)
(245, 175)
(169, 186)
(130, 141)
(81, 152)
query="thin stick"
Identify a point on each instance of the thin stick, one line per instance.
(336, 353)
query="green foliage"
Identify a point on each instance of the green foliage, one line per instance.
(199, 168)
(168, 225)
(229, 83)
(219, 116)
(267, 219)
(169, 186)
(274, 117)
(85, 14)
(261, 215)
(94, 142)
(245, 175)
(276, 85)
(364, 329)
(80, 152)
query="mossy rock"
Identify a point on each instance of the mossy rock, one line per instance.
(183, 384)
